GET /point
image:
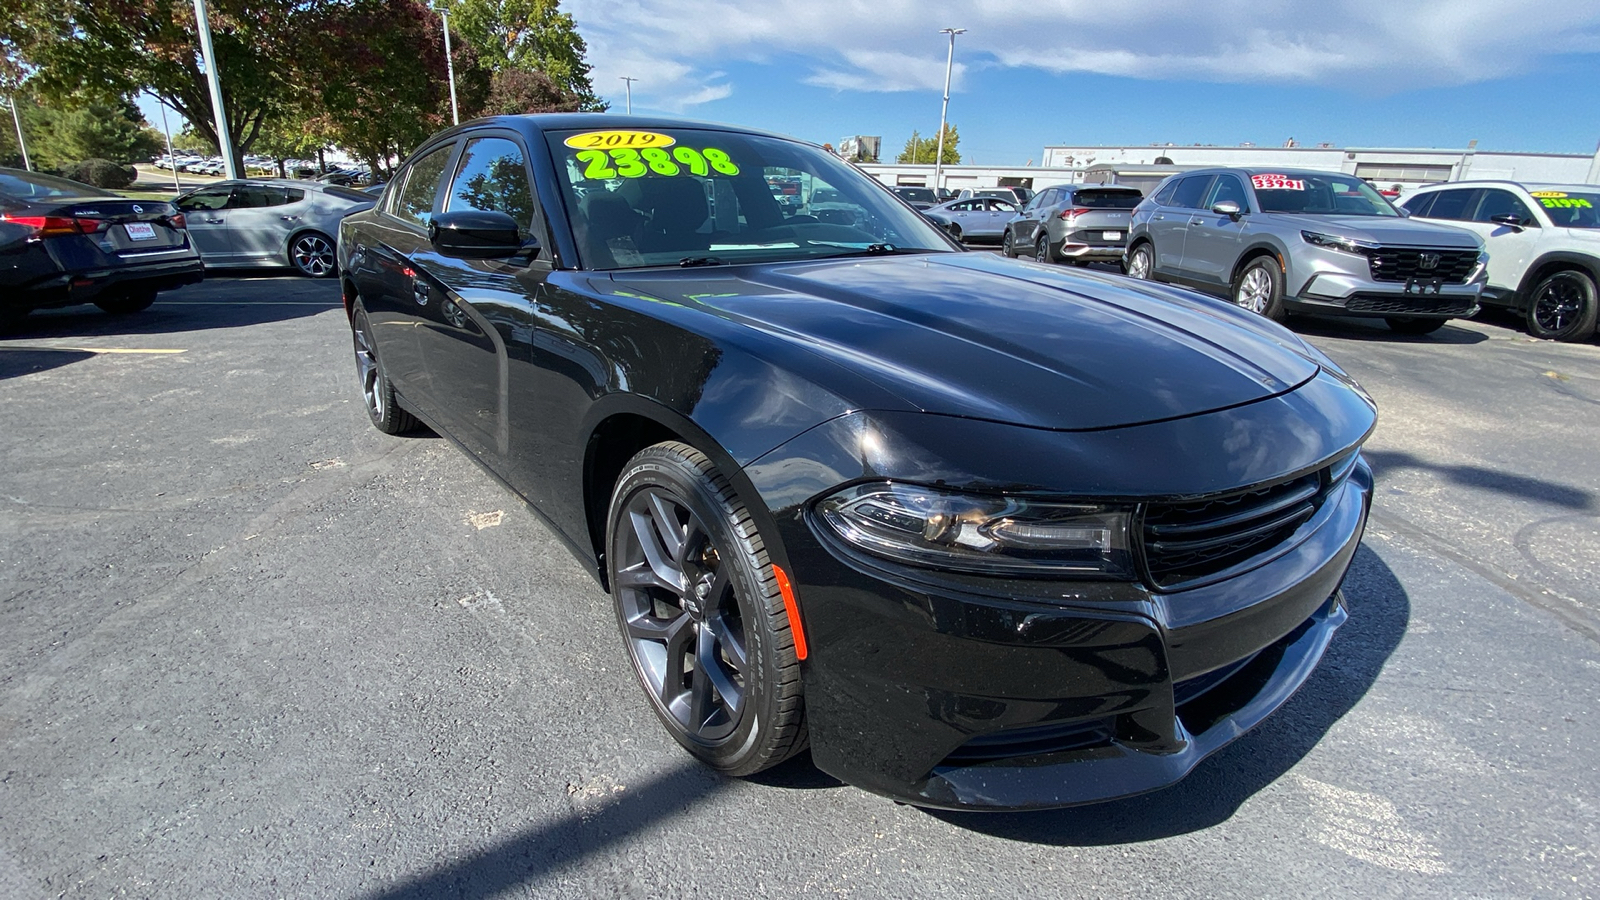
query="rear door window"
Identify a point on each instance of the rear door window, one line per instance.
(1164, 196)
(1452, 204)
(1191, 191)
(1418, 205)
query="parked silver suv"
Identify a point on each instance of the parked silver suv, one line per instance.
(1285, 240)
(1078, 223)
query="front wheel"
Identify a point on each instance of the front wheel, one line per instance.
(701, 614)
(1414, 325)
(1139, 262)
(1562, 307)
(1259, 288)
(312, 254)
(1006, 246)
(955, 232)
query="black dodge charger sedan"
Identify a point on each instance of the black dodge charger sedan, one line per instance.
(986, 534)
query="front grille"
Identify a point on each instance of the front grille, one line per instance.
(1189, 541)
(1410, 304)
(1031, 740)
(1406, 263)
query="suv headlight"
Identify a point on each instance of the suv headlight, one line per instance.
(980, 534)
(1334, 242)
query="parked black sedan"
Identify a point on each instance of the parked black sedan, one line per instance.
(63, 243)
(985, 533)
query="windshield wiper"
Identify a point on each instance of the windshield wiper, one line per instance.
(689, 262)
(869, 250)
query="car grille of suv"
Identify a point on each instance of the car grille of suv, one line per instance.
(1190, 541)
(1407, 303)
(1406, 263)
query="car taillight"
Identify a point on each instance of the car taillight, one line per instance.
(176, 220)
(50, 226)
(1072, 213)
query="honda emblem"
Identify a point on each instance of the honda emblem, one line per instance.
(1428, 261)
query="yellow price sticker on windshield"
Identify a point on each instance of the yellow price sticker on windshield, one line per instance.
(608, 140)
(626, 162)
(1543, 194)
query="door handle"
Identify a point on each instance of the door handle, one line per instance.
(1197, 221)
(1158, 218)
(213, 221)
(290, 218)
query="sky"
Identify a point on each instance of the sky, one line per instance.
(1515, 75)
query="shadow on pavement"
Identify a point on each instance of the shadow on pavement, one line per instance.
(530, 856)
(1377, 330)
(28, 360)
(1379, 614)
(221, 301)
(1519, 486)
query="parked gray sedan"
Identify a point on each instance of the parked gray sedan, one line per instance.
(973, 219)
(269, 222)
(1077, 223)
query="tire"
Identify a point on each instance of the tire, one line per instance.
(1141, 262)
(1006, 247)
(1562, 307)
(955, 232)
(700, 612)
(128, 303)
(1041, 249)
(312, 254)
(1259, 288)
(1414, 324)
(377, 392)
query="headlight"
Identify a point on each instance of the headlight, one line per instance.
(985, 535)
(1334, 242)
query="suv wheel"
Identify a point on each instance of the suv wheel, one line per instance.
(1139, 262)
(1562, 307)
(1041, 250)
(1006, 246)
(1259, 288)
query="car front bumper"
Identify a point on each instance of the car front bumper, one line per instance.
(1337, 283)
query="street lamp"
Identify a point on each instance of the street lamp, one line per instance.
(21, 144)
(443, 9)
(172, 158)
(202, 24)
(630, 81)
(938, 161)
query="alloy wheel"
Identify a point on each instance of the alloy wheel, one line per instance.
(1558, 305)
(313, 255)
(367, 369)
(1041, 252)
(685, 630)
(1255, 290)
(1139, 264)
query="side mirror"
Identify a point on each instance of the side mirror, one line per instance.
(1509, 220)
(479, 234)
(1227, 208)
(1404, 213)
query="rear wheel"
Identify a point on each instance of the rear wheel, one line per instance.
(1259, 288)
(1414, 325)
(955, 232)
(701, 614)
(1006, 246)
(1041, 249)
(377, 393)
(1139, 262)
(312, 254)
(1562, 307)
(130, 302)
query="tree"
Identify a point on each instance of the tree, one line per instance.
(115, 48)
(94, 130)
(515, 92)
(530, 35)
(923, 150)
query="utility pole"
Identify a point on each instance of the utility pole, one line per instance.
(443, 9)
(172, 158)
(938, 161)
(629, 80)
(21, 144)
(202, 24)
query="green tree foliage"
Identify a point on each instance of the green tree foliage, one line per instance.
(292, 137)
(95, 130)
(923, 149)
(530, 35)
(515, 92)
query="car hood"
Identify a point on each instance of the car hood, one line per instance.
(980, 336)
(1405, 232)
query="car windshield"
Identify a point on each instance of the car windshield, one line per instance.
(683, 196)
(921, 195)
(1570, 210)
(1107, 199)
(28, 186)
(1324, 194)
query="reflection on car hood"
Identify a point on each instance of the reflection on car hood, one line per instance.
(975, 335)
(1381, 230)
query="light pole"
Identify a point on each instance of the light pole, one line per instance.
(172, 158)
(938, 161)
(443, 9)
(630, 80)
(21, 144)
(202, 24)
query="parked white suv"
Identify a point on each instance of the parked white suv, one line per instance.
(1543, 242)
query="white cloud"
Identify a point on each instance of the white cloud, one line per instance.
(1374, 46)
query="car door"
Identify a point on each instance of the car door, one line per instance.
(1000, 213)
(1169, 224)
(205, 214)
(1213, 241)
(480, 308)
(1511, 247)
(260, 219)
(390, 288)
(1026, 225)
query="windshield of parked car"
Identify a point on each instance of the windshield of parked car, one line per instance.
(683, 196)
(1318, 193)
(1095, 199)
(1570, 210)
(920, 195)
(28, 186)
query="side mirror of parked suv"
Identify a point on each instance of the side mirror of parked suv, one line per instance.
(479, 234)
(1227, 208)
(1510, 220)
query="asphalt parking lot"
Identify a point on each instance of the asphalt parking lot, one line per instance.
(250, 647)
